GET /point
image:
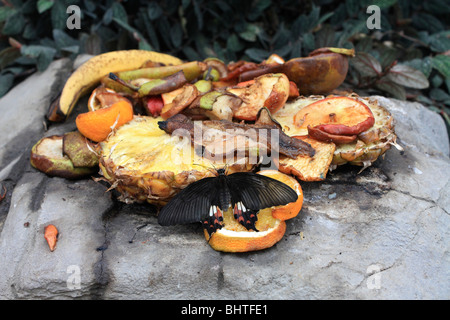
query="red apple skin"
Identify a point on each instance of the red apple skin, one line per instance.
(320, 135)
(154, 106)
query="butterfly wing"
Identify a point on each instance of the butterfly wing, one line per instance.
(190, 205)
(198, 202)
(257, 192)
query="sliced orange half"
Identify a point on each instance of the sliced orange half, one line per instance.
(233, 237)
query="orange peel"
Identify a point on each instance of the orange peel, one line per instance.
(97, 125)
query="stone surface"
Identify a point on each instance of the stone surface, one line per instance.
(380, 234)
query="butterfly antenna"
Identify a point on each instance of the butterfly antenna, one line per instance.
(214, 171)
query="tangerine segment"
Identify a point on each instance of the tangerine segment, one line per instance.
(289, 210)
(336, 115)
(97, 125)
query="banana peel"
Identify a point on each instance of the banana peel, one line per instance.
(89, 74)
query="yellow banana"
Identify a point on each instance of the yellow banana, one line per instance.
(88, 75)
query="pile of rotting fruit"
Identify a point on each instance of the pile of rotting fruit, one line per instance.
(190, 137)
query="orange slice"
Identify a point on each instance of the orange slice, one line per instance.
(233, 237)
(97, 125)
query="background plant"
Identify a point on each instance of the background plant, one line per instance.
(408, 58)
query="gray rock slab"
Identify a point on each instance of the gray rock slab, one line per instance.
(379, 234)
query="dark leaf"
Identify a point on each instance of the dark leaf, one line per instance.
(409, 77)
(62, 39)
(425, 21)
(296, 51)
(395, 90)
(144, 45)
(93, 44)
(234, 44)
(119, 12)
(7, 56)
(150, 30)
(439, 42)
(424, 65)
(364, 45)
(437, 81)
(437, 6)
(308, 42)
(366, 64)
(14, 24)
(44, 5)
(43, 55)
(439, 94)
(198, 14)
(258, 8)
(325, 37)
(190, 53)
(107, 16)
(257, 55)
(176, 34)
(154, 11)
(442, 64)
(5, 12)
(388, 56)
(383, 4)
(250, 33)
(59, 15)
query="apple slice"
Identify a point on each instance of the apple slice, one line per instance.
(269, 90)
(307, 168)
(336, 116)
(180, 102)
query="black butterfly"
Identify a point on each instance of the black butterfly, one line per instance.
(206, 199)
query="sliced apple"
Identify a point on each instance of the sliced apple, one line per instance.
(336, 115)
(47, 156)
(270, 91)
(309, 168)
(180, 102)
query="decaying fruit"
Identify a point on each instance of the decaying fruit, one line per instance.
(309, 168)
(319, 73)
(191, 71)
(233, 237)
(79, 150)
(51, 235)
(270, 91)
(144, 163)
(47, 156)
(180, 102)
(97, 125)
(89, 74)
(369, 144)
(336, 116)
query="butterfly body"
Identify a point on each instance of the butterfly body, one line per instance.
(205, 200)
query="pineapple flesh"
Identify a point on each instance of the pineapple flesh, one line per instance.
(144, 163)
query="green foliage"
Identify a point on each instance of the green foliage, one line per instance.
(408, 58)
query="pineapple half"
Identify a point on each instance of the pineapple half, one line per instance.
(144, 163)
(369, 145)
